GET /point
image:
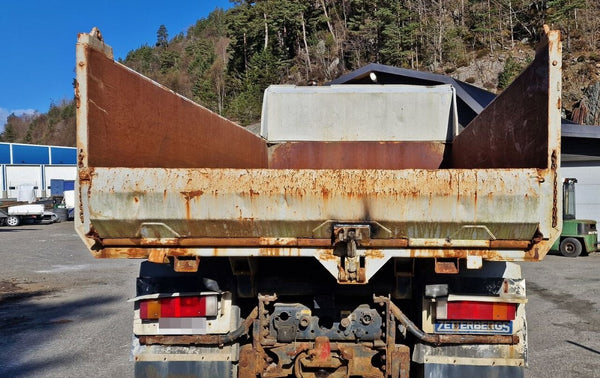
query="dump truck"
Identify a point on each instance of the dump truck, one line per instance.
(365, 232)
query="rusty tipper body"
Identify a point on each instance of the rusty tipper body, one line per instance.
(362, 229)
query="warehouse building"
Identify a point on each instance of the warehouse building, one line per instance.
(35, 166)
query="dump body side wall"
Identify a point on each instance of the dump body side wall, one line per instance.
(133, 123)
(209, 180)
(522, 130)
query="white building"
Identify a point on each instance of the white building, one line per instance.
(581, 160)
(35, 165)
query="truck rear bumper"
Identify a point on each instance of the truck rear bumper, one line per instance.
(459, 371)
(202, 369)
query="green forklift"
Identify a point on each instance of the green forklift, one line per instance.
(578, 235)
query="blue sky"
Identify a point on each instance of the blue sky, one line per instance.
(37, 41)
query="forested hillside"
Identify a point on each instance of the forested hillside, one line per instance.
(57, 127)
(225, 61)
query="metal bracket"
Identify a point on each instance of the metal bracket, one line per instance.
(347, 239)
(447, 266)
(188, 264)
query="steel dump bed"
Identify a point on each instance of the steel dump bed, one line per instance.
(160, 176)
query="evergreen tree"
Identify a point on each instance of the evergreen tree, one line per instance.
(162, 36)
(398, 32)
(563, 14)
(9, 135)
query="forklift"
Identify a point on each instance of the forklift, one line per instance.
(578, 235)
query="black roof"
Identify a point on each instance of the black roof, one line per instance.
(476, 98)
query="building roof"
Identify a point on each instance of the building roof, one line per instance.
(579, 142)
(476, 98)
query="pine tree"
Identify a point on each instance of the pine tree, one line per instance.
(162, 36)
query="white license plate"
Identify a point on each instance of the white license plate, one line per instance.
(182, 326)
(474, 327)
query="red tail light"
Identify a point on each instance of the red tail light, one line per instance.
(178, 307)
(471, 310)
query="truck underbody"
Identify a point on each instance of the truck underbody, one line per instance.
(296, 319)
(331, 245)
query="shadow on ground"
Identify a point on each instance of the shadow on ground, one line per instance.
(28, 322)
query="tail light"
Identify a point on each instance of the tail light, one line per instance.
(473, 310)
(178, 307)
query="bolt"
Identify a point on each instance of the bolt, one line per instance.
(366, 319)
(304, 321)
(345, 322)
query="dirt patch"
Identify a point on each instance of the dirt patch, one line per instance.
(17, 313)
(11, 291)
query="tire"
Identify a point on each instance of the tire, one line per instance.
(13, 220)
(570, 247)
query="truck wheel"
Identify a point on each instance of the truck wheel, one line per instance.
(570, 247)
(12, 220)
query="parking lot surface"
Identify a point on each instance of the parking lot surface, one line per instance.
(65, 314)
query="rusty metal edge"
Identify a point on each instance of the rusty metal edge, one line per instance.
(288, 242)
(161, 254)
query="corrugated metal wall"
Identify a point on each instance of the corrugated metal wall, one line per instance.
(27, 164)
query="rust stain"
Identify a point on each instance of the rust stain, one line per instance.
(180, 252)
(219, 242)
(93, 234)
(85, 174)
(158, 256)
(191, 194)
(375, 253)
(509, 244)
(327, 255)
(271, 252)
(124, 253)
(77, 96)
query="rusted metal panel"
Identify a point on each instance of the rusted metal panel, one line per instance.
(439, 204)
(132, 121)
(521, 127)
(422, 209)
(357, 155)
(226, 242)
(400, 361)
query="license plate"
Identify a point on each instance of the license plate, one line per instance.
(182, 326)
(474, 327)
